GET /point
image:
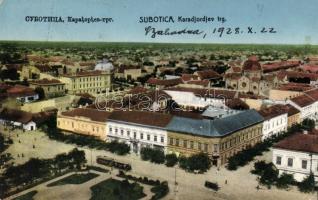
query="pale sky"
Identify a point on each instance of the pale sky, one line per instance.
(296, 22)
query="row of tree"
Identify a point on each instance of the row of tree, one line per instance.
(37, 169)
(269, 176)
(245, 156)
(195, 163)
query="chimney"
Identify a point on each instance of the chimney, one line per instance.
(305, 132)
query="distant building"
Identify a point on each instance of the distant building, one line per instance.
(104, 65)
(18, 119)
(128, 72)
(161, 84)
(251, 78)
(92, 82)
(275, 120)
(52, 88)
(90, 122)
(297, 155)
(22, 94)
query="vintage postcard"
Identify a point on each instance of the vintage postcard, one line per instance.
(149, 99)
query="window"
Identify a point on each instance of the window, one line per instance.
(290, 162)
(177, 142)
(162, 139)
(155, 138)
(135, 135)
(122, 132)
(304, 164)
(199, 145)
(278, 160)
(128, 133)
(206, 147)
(148, 137)
(191, 144)
(171, 141)
(185, 143)
(141, 136)
(116, 130)
(215, 148)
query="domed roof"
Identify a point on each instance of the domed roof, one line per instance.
(104, 65)
(252, 64)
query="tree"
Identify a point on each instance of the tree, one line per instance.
(269, 176)
(200, 162)
(78, 157)
(40, 92)
(285, 180)
(171, 160)
(153, 155)
(308, 184)
(308, 124)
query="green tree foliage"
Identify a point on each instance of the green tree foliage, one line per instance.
(198, 162)
(308, 184)
(153, 155)
(285, 180)
(171, 160)
(308, 124)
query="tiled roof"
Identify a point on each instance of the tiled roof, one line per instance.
(300, 142)
(273, 111)
(93, 114)
(208, 74)
(292, 110)
(16, 115)
(215, 128)
(252, 64)
(275, 66)
(189, 77)
(303, 100)
(20, 91)
(141, 117)
(168, 82)
(47, 82)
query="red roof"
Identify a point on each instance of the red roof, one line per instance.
(142, 117)
(273, 111)
(189, 77)
(301, 87)
(167, 82)
(310, 68)
(208, 74)
(300, 142)
(275, 66)
(204, 83)
(252, 64)
(47, 82)
(93, 114)
(20, 91)
(303, 100)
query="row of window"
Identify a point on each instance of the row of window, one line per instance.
(191, 144)
(81, 125)
(290, 162)
(90, 85)
(89, 79)
(272, 125)
(136, 135)
(239, 138)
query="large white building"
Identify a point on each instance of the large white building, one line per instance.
(138, 129)
(276, 120)
(297, 155)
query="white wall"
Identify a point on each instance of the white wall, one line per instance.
(138, 129)
(297, 170)
(275, 125)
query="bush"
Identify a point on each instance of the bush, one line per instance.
(285, 180)
(197, 162)
(153, 155)
(171, 160)
(308, 184)
(213, 186)
(160, 190)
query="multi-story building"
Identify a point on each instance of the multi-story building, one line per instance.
(275, 120)
(138, 129)
(84, 121)
(221, 138)
(293, 115)
(22, 94)
(297, 155)
(92, 82)
(51, 88)
(306, 105)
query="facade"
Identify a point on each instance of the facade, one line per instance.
(92, 82)
(220, 138)
(128, 72)
(90, 122)
(275, 120)
(306, 105)
(138, 129)
(297, 155)
(52, 88)
(293, 115)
